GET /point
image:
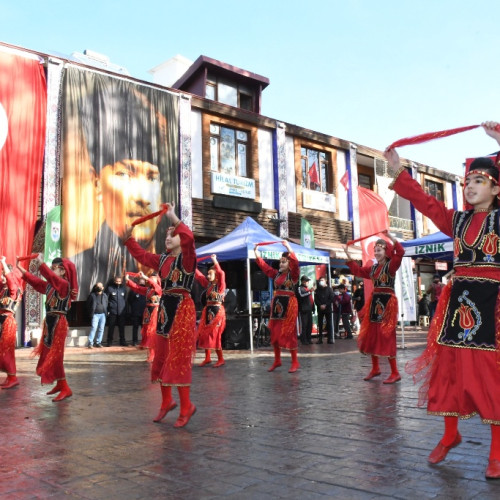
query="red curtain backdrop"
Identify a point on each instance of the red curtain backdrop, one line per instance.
(373, 216)
(23, 104)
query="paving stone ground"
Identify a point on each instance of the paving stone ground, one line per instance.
(316, 434)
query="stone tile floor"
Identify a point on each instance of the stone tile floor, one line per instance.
(319, 433)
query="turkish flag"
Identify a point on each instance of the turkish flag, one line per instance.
(23, 104)
(313, 174)
(373, 217)
(344, 180)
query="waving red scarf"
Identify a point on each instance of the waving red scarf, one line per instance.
(429, 136)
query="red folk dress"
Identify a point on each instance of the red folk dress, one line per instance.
(10, 296)
(175, 343)
(284, 306)
(213, 316)
(377, 334)
(461, 364)
(55, 326)
(153, 294)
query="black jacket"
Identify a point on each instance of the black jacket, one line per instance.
(324, 296)
(116, 299)
(359, 293)
(304, 298)
(93, 301)
(136, 303)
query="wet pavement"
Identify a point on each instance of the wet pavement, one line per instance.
(319, 433)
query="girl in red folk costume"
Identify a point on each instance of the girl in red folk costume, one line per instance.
(213, 316)
(10, 296)
(61, 288)
(377, 334)
(461, 364)
(175, 343)
(152, 291)
(284, 307)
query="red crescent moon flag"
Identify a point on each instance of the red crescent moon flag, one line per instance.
(344, 180)
(373, 219)
(23, 105)
(313, 174)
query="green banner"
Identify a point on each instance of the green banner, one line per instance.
(53, 235)
(307, 240)
(306, 234)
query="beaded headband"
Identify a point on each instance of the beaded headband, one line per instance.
(484, 174)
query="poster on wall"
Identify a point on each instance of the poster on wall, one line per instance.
(23, 104)
(120, 143)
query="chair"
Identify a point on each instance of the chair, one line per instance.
(423, 320)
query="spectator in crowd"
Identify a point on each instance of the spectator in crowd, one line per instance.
(136, 304)
(358, 297)
(434, 290)
(323, 298)
(342, 308)
(97, 303)
(117, 310)
(423, 305)
(306, 310)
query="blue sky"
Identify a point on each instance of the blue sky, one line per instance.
(361, 70)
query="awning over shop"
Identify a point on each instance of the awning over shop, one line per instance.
(337, 253)
(240, 242)
(433, 246)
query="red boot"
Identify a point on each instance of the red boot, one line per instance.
(10, 382)
(207, 359)
(375, 371)
(167, 403)
(394, 376)
(295, 362)
(450, 439)
(220, 358)
(65, 391)
(151, 355)
(493, 470)
(188, 409)
(56, 388)
(277, 359)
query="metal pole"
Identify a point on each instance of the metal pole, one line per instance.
(332, 322)
(249, 304)
(402, 332)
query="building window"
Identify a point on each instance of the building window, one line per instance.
(365, 181)
(316, 170)
(210, 91)
(231, 93)
(228, 150)
(435, 189)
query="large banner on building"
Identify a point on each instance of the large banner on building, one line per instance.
(23, 102)
(120, 149)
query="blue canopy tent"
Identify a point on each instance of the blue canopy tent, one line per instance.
(433, 246)
(239, 245)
